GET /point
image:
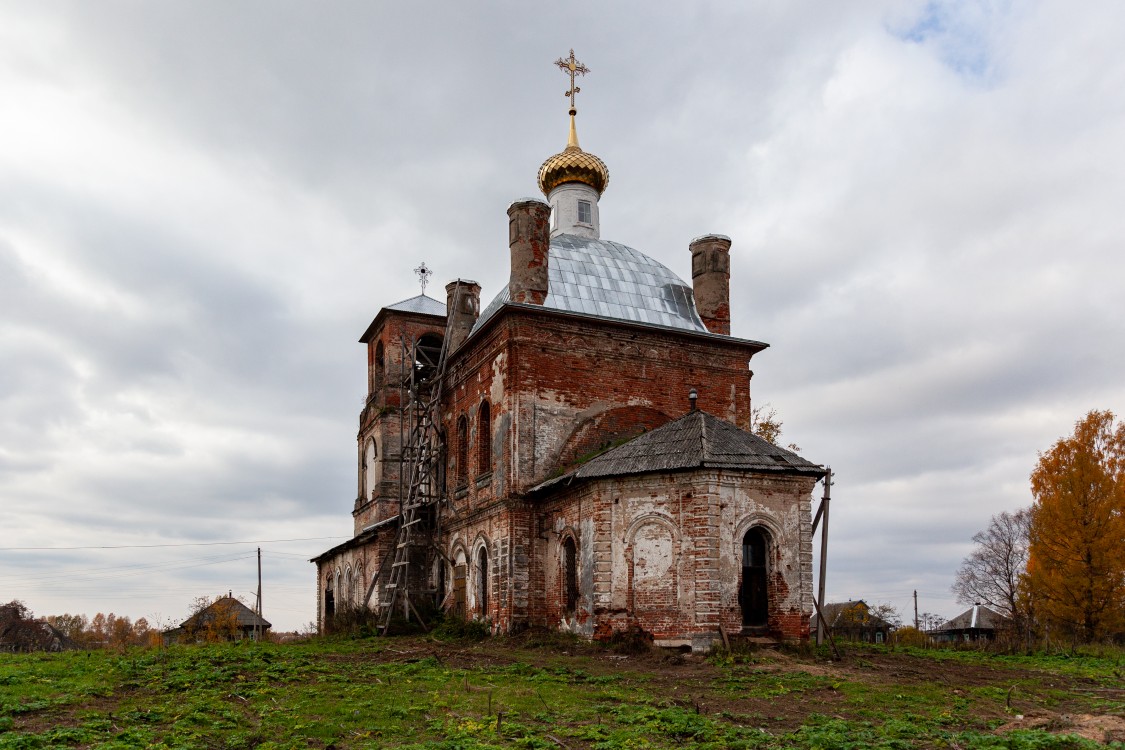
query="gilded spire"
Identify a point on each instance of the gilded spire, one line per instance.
(573, 164)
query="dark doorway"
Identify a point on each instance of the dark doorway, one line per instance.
(329, 603)
(753, 596)
(570, 562)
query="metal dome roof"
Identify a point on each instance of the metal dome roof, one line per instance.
(573, 165)
(609, 280)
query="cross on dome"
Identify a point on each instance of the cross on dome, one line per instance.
(573, 165)
(572, 67)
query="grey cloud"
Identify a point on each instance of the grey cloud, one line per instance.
(924, 202)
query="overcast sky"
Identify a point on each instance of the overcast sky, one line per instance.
(203, 205)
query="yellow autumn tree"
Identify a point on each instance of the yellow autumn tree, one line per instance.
(1076, 565)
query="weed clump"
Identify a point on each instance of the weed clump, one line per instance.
(453, 628)
(631, 640)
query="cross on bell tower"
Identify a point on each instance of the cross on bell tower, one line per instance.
(423, 273)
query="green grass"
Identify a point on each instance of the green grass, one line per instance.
(420, 693)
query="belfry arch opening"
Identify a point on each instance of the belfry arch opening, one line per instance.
(427, 354)
(378, 368)
(753, 594)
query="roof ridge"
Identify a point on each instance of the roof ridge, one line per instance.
(703, 452)
(416, 296)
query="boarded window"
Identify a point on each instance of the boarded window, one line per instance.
(462, 451)
(654, 570)
(459, 590)
(484, 439)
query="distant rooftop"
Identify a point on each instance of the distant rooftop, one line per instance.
(977, 617)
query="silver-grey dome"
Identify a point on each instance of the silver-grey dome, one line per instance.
(605, 279)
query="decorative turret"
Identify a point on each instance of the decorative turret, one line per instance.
(710, 278)
(462, 304)
(573, 180)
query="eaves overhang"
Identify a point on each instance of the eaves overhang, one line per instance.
(509, 307)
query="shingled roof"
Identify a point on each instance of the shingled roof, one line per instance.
(697, 440)
(977, 617)
(245, 616)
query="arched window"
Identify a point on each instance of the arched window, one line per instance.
(329, 598)
(753, 595)
(482, 581)
(462, 467)
(345, 593)
(370, 469)
(570, 573)
(484, 439)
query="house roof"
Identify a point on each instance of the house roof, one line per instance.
(33, 635)
(694, 441)
(245, 616)
(977, 617)
(834, 611)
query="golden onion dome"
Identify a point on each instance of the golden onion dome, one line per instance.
(572, 164)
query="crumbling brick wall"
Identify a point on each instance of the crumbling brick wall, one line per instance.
(561, 386)
(663, 552)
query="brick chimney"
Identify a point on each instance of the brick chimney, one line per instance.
(529, 237)
(710, 279)
(462, 306)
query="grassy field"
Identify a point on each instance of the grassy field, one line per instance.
(546, 692)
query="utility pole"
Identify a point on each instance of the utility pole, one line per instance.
(916, 610)
(258, 623)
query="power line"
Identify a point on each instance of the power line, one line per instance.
(177, 544)
(132, 568)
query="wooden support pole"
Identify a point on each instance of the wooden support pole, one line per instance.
(258, 623)
(821, 624)
(824, 503)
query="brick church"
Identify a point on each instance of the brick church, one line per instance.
(577, 454)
